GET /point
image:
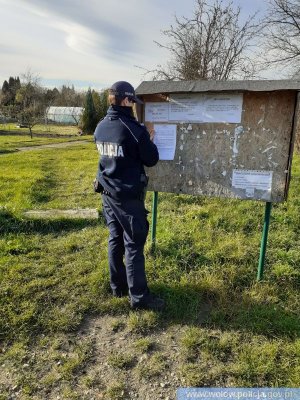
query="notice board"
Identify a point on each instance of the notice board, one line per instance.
(222, 139)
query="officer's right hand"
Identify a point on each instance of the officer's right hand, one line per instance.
(151, 130)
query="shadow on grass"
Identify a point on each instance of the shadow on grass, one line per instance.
(187, 305)
(41, 189)
(185, 257)
(259, 318)
(190, 304)
(9, 223)
(3, 151)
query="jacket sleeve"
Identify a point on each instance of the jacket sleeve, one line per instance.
(147, 149)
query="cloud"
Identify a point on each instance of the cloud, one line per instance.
(96, 41)
(67, 43)
(10, 50)
(87, 29)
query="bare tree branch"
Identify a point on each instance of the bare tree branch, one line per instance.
(213, 44)
(283, 35)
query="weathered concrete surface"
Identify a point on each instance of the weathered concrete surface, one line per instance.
(80, 213)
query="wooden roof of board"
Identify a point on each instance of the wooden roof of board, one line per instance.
(155, 87)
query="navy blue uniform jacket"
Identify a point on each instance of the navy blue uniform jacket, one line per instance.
(125, 147)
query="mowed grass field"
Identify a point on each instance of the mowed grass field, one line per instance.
(13, 128)
(220, 327)
(11, 141)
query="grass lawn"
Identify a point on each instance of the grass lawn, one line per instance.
(61, 332)
(11, 144)
(12, 138)
(41, 129)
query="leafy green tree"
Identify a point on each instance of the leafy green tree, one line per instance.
(89, 118)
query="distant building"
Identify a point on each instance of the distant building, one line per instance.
(64, 115)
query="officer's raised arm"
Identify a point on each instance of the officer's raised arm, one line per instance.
(148, 150)
(150, 128)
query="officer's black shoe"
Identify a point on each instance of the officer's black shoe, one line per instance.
(152, 302)
(120, 293)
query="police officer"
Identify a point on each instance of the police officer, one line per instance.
(125, 146)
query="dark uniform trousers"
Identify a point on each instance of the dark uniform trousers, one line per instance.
(128, 230)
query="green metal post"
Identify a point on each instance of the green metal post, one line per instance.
(154, 219)
(264, 239)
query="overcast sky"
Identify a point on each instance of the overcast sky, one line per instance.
(92, 42)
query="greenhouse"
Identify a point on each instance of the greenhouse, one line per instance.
(64, 115)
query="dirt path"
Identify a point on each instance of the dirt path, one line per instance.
(151, 375)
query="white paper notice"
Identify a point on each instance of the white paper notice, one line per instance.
(165, 140)
(157, 112)
(223, 108)
(186, 107)
(251, 179)
(199, 107)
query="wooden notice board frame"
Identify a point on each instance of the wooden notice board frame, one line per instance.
(211, 157)
(247, 157)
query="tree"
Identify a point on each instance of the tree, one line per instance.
(104, 103)
(5, 87)
(213, 44)
(68, 97)
(9, 90)
(8, 98)
(4, 95)
(89, 117)
(51, 95)
(30, 101)
(97, 103)
(283, 35)
(76, 114)
(100, 103)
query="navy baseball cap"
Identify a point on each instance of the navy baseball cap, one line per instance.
(124, 89)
